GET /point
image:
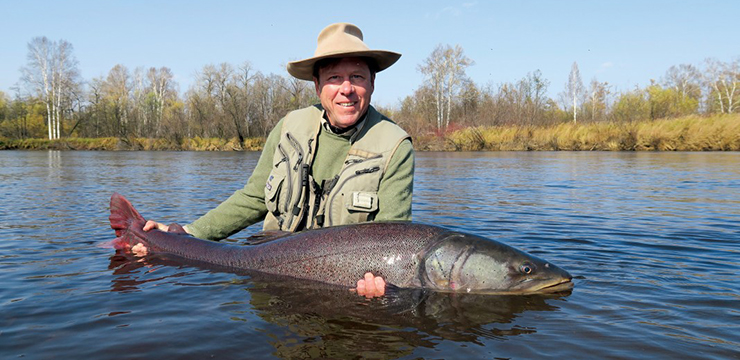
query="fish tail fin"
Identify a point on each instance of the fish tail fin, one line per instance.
(122, 216)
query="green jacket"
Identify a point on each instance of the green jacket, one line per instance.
(247, 205)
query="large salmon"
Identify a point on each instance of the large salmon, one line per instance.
(407, 255)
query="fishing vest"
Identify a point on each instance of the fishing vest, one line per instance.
(293, 199)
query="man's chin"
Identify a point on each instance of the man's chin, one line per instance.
(346, 121)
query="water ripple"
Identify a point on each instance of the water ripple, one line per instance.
(653, 241)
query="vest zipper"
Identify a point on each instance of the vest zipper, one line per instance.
(289, 181)
(293, 142)
(353, 161)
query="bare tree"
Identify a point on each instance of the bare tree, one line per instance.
(97, 106)
(52, 75)
(685, 79)
(445, 70)
(532, 89)
(598, 94)
(202, 103)
(117, 89)
(139, 109)
(161, 89)
(723, 80)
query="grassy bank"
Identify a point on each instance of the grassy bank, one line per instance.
(716, 133)
(117, 144)
(695, 133)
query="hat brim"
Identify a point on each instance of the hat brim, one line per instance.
(303, 69)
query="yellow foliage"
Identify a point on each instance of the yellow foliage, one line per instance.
(691, 133)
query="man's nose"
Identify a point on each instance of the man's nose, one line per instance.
(347, 87)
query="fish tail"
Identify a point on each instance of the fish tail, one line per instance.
(122, 216)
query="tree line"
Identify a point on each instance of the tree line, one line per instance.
(449, 98)
(229, 101)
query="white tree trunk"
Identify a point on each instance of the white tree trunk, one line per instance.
(575, 107)
(730, 94)
(719, 97)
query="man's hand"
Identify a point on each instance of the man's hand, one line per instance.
(139, 250)
(371, 286)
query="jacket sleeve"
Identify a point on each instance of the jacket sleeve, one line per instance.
(397, 185)
(243, 208)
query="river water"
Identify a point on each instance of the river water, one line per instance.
(653, 240)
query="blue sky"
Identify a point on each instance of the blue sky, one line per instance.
(625, 43)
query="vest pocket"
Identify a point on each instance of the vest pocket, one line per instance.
(360, 205)
(273, 186)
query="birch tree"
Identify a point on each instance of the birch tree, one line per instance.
(51, 74)
(574, 88)
(160, 89)
(723, 83)
(445, 70)
(597, 105)
(139, 108)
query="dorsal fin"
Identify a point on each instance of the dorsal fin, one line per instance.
(266, 236)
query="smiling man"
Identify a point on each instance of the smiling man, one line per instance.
(334, 163)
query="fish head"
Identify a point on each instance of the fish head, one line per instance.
(473, 264)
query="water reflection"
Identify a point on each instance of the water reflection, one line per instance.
(55, 159)
(325, 321)
(126, 269)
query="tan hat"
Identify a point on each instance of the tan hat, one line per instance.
(337, 41)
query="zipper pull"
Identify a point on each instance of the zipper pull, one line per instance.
(367, 171)
(298, 162)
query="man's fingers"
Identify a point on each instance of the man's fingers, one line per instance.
(151, 224)
(360, 287)
(370, 284)
(139, 250)
(379, 286)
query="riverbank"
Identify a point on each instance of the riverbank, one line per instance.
(123, 144)
(694, 133)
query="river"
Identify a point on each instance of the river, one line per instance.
(652, 239)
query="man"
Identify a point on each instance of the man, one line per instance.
(340, 162)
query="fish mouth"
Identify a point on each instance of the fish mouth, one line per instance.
(562, 285)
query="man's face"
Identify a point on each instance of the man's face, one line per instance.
(344, 88)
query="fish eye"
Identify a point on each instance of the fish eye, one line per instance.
(526, 268)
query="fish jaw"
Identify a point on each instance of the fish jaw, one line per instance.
(553, 280)
(556, 285)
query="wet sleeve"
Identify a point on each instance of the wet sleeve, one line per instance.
(243, 208)
(397, 185)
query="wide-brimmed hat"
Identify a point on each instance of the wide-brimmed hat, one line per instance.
(337, 41)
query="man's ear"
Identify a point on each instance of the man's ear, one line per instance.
(316, 85)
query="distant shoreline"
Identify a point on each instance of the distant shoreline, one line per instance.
(694, 133)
